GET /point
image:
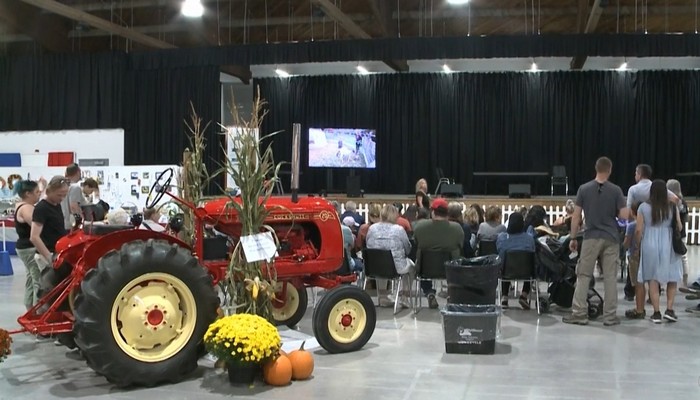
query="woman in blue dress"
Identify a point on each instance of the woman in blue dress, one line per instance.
(659, 264)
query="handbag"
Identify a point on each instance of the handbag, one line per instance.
(676, 238)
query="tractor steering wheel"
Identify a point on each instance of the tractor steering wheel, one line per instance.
(159, 188)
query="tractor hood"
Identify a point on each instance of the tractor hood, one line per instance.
(306, 208)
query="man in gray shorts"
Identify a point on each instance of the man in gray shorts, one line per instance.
(601, 201)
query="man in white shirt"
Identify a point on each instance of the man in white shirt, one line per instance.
(639, 192)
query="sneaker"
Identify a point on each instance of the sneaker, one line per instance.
(571, 319)
(656, 317)
(612, 322)
(670, 316)
(504, 302)
(443, 294)
(695, 309)
(694, 296)
(688, 289)
(694, 286)
(524, 302)
(634, 314)
(432, 301)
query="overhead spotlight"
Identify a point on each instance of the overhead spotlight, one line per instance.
(192, 8)
(282, 73)
(446, 68)
(457, 2)
(533, 67)
(362, 70)
(623, 66)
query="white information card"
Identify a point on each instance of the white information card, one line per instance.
(259, 247)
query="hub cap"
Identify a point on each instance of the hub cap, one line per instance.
(153, 317)
(347, 321)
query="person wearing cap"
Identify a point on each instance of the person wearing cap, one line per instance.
(350, 222)
(437, 234)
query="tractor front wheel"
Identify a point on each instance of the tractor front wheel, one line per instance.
(290, 304)
(142, 313)
(344, 319)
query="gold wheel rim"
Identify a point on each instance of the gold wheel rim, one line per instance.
(153, 317)
(347, 321)
(291, 303)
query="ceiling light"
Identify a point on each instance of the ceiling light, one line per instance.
(192, 8)
(446, 68)
(533, 67)
(458, 2)
(362, 70)
(623, 66)
(282, 73)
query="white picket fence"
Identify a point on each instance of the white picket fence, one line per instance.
(692, 227)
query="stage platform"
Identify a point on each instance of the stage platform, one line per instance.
(551, 201)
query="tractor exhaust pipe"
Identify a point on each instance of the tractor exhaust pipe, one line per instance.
(296, 148)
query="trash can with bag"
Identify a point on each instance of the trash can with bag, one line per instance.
(472, 281)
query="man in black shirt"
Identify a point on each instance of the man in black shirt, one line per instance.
(47, 220)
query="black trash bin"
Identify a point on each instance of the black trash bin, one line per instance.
(470, 329)
(472, 281)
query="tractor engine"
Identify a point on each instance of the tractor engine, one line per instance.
(295, 242)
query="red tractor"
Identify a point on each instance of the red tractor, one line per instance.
(137, 302)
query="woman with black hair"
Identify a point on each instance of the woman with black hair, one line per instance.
(29, 194)
(515, 238)
(659, 264)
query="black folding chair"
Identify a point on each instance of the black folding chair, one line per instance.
(430, 266)
(379, 264)
(519, 266)
(559, 178)
(487, 247)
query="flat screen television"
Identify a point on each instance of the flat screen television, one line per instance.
(342, 148)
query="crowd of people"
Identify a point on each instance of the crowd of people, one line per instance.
(47, 211)
(643, 223)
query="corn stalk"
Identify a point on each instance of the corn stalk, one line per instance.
(251, 284)
(194, 173)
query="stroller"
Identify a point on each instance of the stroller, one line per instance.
(554, 265)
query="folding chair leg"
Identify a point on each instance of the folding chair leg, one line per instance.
(397, 297)
(537, 294)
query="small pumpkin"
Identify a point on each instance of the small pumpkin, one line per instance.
(302, 363)
(278, 372)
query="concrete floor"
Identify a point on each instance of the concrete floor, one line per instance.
(536, 358)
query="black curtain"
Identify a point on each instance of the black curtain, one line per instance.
(62, 92)
(53, 92)
(495, 122)
(158, 102)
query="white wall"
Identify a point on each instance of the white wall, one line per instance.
(34, 146)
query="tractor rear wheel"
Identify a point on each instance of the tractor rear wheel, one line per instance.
(344, 319)
(142, 313)
(290, 309)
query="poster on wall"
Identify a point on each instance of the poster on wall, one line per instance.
(232, 132)
(125, 187)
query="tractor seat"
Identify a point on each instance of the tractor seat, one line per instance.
(104, 229)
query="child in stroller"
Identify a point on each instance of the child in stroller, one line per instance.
(554, 264)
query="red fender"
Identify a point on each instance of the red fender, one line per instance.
(114, 241)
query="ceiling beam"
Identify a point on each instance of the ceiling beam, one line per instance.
(99, 23)
(356, 31)
(343, 20)
(596, 11)
(47, 30)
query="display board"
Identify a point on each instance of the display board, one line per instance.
(119, 186)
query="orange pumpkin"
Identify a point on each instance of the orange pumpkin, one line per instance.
(302, 363)
(278, 372)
